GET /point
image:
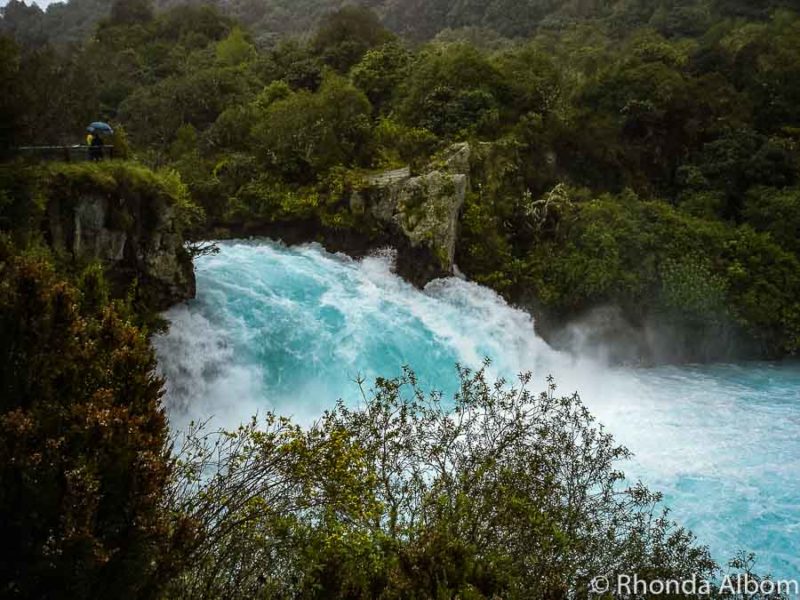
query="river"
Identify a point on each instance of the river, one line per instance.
(291, 329)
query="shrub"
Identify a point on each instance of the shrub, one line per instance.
(83, 437)
(495, 492)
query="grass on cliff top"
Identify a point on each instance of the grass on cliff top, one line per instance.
(27, 190)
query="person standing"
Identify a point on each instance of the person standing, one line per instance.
(95, 143)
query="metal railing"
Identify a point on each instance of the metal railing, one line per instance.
(76, 153)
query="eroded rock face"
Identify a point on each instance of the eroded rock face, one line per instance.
(136, 240)
(416, 214)
(423, 211)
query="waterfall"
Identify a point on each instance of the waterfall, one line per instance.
(293, 329)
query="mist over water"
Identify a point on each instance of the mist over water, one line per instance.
(291, 329)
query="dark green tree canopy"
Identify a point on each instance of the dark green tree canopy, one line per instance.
(345, 36)
(129, 12)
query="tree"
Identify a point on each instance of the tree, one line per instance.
(235, 49)
(154, 114)
(307, 134)
(129, 12)
(533, 79)
(84, 439)
(10, 109)
(345, 36)
(24, 23)
(764, 60)
(735, 162)
(381, 71)
(452, 89)
(296, 65)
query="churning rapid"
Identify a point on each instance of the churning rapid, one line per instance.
(291, 329)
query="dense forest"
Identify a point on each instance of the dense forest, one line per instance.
(646, 168)
(414, 20)
(640, 154)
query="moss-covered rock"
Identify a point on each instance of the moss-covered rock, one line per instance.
(125, 216)
(423, 211)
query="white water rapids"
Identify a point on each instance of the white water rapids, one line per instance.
(290, 329)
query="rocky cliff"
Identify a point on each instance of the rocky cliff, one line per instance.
(417, 214)
(421, 212)
(127, 218)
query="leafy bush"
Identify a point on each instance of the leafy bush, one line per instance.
(398, 144)
(412, 495)
(691, 288)
(84, 439)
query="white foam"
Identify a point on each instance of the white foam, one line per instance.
(291, 329)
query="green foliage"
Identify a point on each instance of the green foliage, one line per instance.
(21, 210)
(533, 78)
(738, 161)
(10, 78)
(155, 114)
(308, 133)
(452, 90)
(235, 49)
(231, 130)
(296, 65)
(381, 71)
(414, 495)
(763, 281)
(61, 24)
(346, 35)
(122, 147)
(690, 287)
(776, 212)
(398, 144)
(766, 59)
(643, 256)
(84, 436)
(130, 12)
(277, 90)
(635, 254)
(185, 142)
(485, 249)
(417, 20)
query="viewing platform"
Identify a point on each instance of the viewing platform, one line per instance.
(76, 153)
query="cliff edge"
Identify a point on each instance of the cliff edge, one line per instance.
(122, 215)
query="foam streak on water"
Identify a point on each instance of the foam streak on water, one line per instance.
(292, 329)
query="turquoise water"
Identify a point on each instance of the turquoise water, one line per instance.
(291, 329)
